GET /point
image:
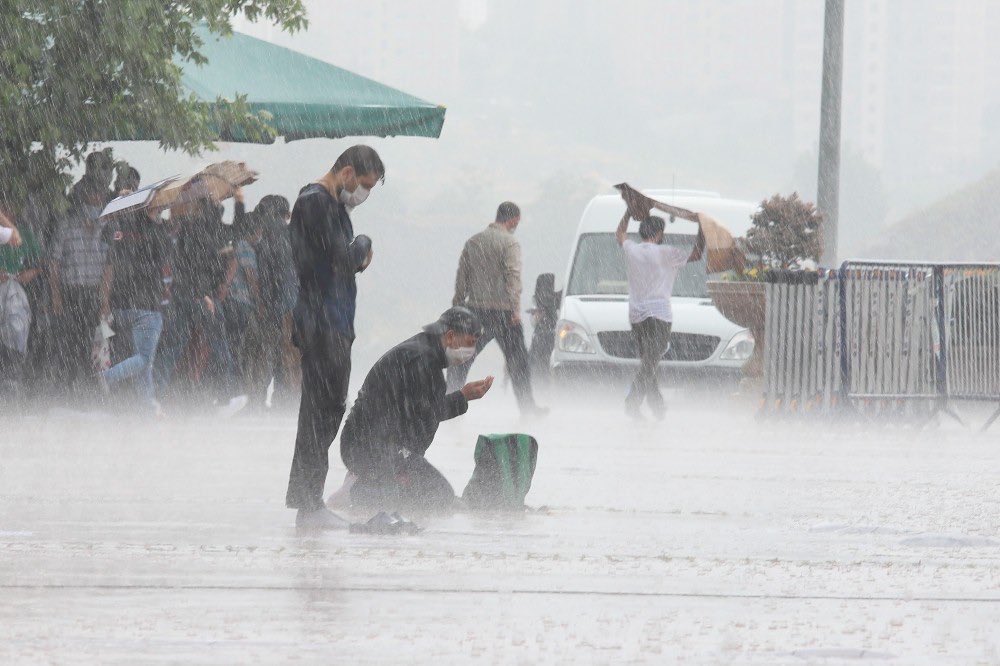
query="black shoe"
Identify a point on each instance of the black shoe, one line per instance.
(386, 523)
(319, 519)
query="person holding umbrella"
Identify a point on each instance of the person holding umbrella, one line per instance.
(131, 292)
(327, 257)
(203, 265)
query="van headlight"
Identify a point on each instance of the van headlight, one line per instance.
(739, 348)
(573, 338)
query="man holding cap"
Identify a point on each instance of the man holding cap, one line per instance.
(401, 403)
(327, 258)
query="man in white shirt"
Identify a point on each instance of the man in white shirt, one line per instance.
(652, 268)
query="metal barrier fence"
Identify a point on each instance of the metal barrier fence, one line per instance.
(972, 334)
(802, 342)
(890, 351)
(883, 339)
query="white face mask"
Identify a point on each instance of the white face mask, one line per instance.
(354, 199)
(460, 355)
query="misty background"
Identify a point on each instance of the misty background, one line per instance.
(552, 101)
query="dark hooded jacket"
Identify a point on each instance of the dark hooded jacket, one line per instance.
(401, 403)
(321, 236)
(204, 248)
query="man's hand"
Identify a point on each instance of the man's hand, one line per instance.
(476, 390)
(15, 238)
(368, 260)
(638, 204)
(515, 318)
(238, 195)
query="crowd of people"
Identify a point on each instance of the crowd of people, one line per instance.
(145, 303)
(168, 302)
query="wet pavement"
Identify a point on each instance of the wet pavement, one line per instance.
(709, 538)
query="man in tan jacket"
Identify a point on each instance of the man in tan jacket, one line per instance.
(489, 284)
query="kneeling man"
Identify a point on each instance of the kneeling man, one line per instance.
(401, 403)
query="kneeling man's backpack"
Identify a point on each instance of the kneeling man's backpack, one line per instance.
(505, 465)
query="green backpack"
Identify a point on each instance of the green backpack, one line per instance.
(501, 480)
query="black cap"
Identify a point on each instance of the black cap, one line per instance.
(458, 319)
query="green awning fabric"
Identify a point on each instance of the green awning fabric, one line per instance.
(306, 97)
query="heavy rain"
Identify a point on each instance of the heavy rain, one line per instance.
(655, 331)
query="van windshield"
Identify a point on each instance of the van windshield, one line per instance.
(599, 267)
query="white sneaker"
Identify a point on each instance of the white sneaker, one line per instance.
(233, 407)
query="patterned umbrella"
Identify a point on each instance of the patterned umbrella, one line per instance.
(217, 181)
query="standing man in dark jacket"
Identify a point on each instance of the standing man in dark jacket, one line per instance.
(398, 410)
(327, 257)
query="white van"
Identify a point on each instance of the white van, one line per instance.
(593, 335)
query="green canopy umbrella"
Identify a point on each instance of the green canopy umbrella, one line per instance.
(306, 97)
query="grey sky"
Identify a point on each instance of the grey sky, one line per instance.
(713, 94)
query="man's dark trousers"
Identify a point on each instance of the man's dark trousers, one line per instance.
(652, 338)
(326, 372)
(393, 479)
(81, 315)
(497, 325)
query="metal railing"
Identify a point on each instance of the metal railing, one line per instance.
(801, 348)
(883, 339)
(890, 359)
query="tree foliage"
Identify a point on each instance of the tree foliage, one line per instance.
(78, 71)
(786, 232)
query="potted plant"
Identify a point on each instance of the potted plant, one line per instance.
(785, 235)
